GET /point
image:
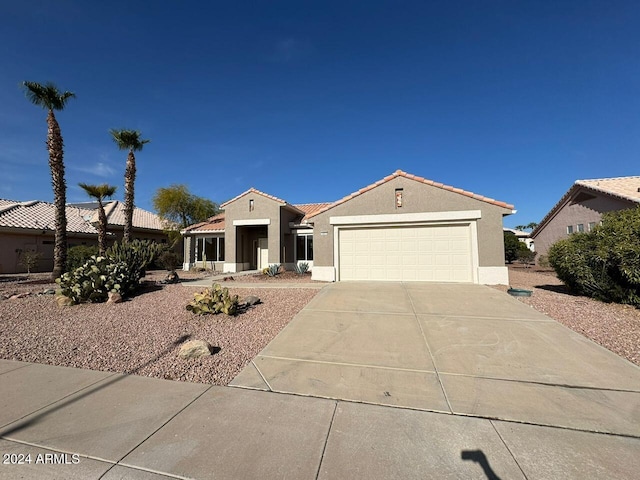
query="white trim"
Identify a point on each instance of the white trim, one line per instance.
(493, 275)
(406, 217)
(250, 222)
(231, 267)
(475, 256)
(323, 274)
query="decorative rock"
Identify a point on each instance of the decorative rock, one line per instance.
(49, 291)
(64, 301)
(19, 295)
(172, 277)
(251, 300)
(229, 278)
(194, 349)
(114, 297)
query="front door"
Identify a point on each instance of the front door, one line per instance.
(263, 253)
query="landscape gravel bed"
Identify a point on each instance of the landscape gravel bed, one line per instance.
(142, 335)
(615, 327)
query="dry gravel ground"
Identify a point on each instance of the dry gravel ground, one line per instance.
(141, 335)
(615, 327)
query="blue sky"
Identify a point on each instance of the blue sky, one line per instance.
(310, 101)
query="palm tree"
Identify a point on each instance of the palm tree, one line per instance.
(50, 98)
(100, 192)
(128, 140)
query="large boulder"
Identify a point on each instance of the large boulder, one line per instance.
(64, 301)
(194, 349)
(251, 300)
(114, 297)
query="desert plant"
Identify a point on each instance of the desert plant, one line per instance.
(50, 98)
(301, 268)
(128, 140)
(543, 261)
(272, 270)
(526, 256)
(93, 281)
(169, 260)
(100, 192)
(138, 254)
(29, 260)
(78, 255)
(214, 300)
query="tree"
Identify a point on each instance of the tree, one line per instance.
(50, 98)
(100, 192)
(179, 206)
(128, 140)
(529, 226)
(511, 247)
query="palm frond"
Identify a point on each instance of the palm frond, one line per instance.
(47, 96)
(99, 192)
(128, 139)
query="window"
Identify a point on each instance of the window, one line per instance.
(592, 225)
(304, 247)
(210, 249)
(581, 227)
(570, 229)
(251, 204)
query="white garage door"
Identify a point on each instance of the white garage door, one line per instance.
(439, 253)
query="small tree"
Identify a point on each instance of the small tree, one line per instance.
(179, 206)
(511, 247)
(30, 260)
(100, 192)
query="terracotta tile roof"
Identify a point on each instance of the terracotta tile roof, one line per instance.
(625, 188)
(310, 209)
(141, 218)
(212, 224)
(38, 215)
(400, 173)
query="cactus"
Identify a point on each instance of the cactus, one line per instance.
(302, 268)
(272, 270)
(93, 281)
(214, 300)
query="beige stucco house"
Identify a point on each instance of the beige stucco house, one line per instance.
(29, 226)
(581, 208)
(401, 228)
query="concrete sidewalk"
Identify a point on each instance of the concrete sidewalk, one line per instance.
(134, 427)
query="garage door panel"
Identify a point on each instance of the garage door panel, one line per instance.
(416, 253)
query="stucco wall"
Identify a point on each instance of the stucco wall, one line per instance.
(583, 212)
(417, 197)
(263, 208)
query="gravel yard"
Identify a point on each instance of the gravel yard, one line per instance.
(615, 327)
(142, 335)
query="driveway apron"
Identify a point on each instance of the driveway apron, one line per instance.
(460, 349)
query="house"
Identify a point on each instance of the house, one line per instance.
(581, 208)
(403, 228)
(524, 237)
(29, 226)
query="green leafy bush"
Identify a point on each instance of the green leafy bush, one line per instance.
(214, 300)
(302, 268)
(93, 281)
(604, 263)
(78, 255)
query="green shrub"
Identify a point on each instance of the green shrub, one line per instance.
(93, 281)
(604, 263)
(78, 255)
(169, 260)
(543, 261)
(214, 300)
(302, 268)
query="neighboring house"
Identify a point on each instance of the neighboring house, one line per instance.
(581, 209)
(403, 228)
(524, 237)
(29, 226)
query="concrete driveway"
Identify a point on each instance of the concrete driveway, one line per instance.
(458, 349)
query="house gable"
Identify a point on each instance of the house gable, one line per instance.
(583, 205)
